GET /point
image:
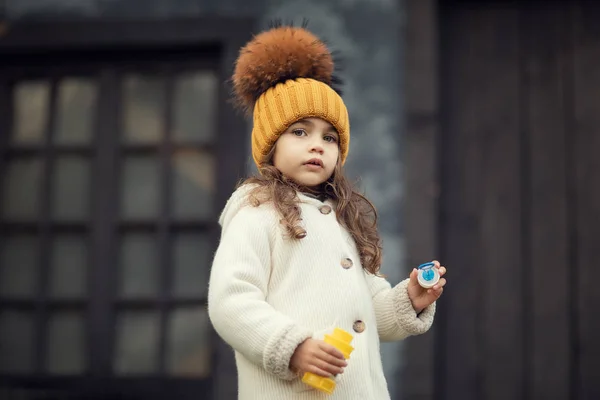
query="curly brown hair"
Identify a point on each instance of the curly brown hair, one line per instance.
(353, 210)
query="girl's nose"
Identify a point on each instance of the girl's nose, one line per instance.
(316, 147)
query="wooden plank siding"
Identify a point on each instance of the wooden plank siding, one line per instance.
(517, 220)
(421, 179)
(481, 208)
(584, 207)
(548, 89)
(460, 242)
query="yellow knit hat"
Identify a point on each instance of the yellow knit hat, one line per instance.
(284, 75)
(282, 105)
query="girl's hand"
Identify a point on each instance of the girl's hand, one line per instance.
(317, 357)
(421, 297)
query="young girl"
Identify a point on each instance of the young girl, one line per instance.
(300, 253)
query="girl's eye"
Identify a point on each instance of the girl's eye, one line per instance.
(330, 139)
(298, 132)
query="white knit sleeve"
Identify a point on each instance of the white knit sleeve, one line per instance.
(396, 317)
(237, 291)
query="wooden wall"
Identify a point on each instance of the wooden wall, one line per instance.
(421, 177)
(517, 118)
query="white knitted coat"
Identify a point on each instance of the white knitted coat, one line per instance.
(268, 293)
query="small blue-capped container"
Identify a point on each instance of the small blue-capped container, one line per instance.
(428, 275)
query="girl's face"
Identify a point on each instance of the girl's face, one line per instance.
(307, 152)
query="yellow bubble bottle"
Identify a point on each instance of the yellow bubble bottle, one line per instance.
(340, 339)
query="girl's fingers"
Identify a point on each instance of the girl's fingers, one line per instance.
(329, 359)
(440, 284)
(319, 371)
(329, 349)
(330, 368)
(442, 271)
(413, 275)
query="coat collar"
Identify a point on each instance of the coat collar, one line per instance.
(310, 198)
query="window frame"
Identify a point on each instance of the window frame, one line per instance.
(28, 43)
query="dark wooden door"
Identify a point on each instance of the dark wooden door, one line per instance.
(520, 200)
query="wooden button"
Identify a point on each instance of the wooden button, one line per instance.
(347, 263)
(325, 209)
(358, 326)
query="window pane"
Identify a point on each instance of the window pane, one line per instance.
(189, 350)
(195, 106)
(19, 266)
(140, 188)
(137, 343)
(139, 266)
(71, 189)
(69, 267)
(21, 189)
(16, 342)
(76, 111)
(194, 184)
(192, 255)
(31, 106)
(66, 347)
(143, 108)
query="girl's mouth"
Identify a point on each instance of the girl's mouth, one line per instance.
(314, 162)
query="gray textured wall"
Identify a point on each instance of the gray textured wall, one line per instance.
(368, 35)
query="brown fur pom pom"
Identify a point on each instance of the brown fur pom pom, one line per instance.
(274, 56)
